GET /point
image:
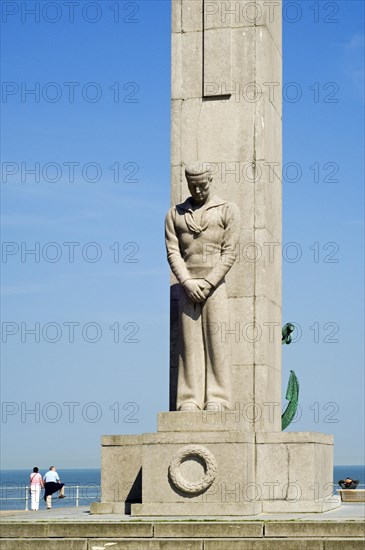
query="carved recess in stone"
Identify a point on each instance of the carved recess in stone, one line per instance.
(193, 452)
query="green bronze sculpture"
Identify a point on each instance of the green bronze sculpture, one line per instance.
(286, 333)
(292, 394)
(292, 391)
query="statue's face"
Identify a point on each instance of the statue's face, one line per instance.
(199, 187)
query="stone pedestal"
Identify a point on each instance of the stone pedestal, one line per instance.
(184, 473)
(198, 465)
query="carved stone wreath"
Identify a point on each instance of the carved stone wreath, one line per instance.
(210, 466)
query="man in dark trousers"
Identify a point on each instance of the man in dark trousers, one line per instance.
(52, 484)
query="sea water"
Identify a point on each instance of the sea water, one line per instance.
(13, 485)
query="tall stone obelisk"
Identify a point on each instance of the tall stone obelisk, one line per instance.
(226, 111)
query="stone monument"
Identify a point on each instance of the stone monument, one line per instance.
(221, 450)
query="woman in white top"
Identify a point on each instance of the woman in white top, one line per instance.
(36, 483)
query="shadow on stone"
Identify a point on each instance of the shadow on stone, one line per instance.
(135, 494)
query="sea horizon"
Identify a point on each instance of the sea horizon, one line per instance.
(46, 468)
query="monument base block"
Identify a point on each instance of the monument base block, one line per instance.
(197, 509)
(207, 471)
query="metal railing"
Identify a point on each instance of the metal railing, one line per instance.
(77, 496)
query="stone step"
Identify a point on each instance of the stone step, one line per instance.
(183, 535)
(183, 544)
(183, 529)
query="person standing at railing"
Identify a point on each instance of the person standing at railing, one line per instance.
(52, 484)
(36, 483)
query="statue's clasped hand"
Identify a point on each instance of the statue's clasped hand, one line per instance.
(197, 289)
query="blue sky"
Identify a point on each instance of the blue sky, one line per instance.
(103, 158)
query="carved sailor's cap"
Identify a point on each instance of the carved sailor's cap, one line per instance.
(198, 169)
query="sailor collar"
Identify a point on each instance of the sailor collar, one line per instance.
(213, 202)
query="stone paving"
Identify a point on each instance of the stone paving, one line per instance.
(346, 512)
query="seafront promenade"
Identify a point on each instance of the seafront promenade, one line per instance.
(76, 529)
